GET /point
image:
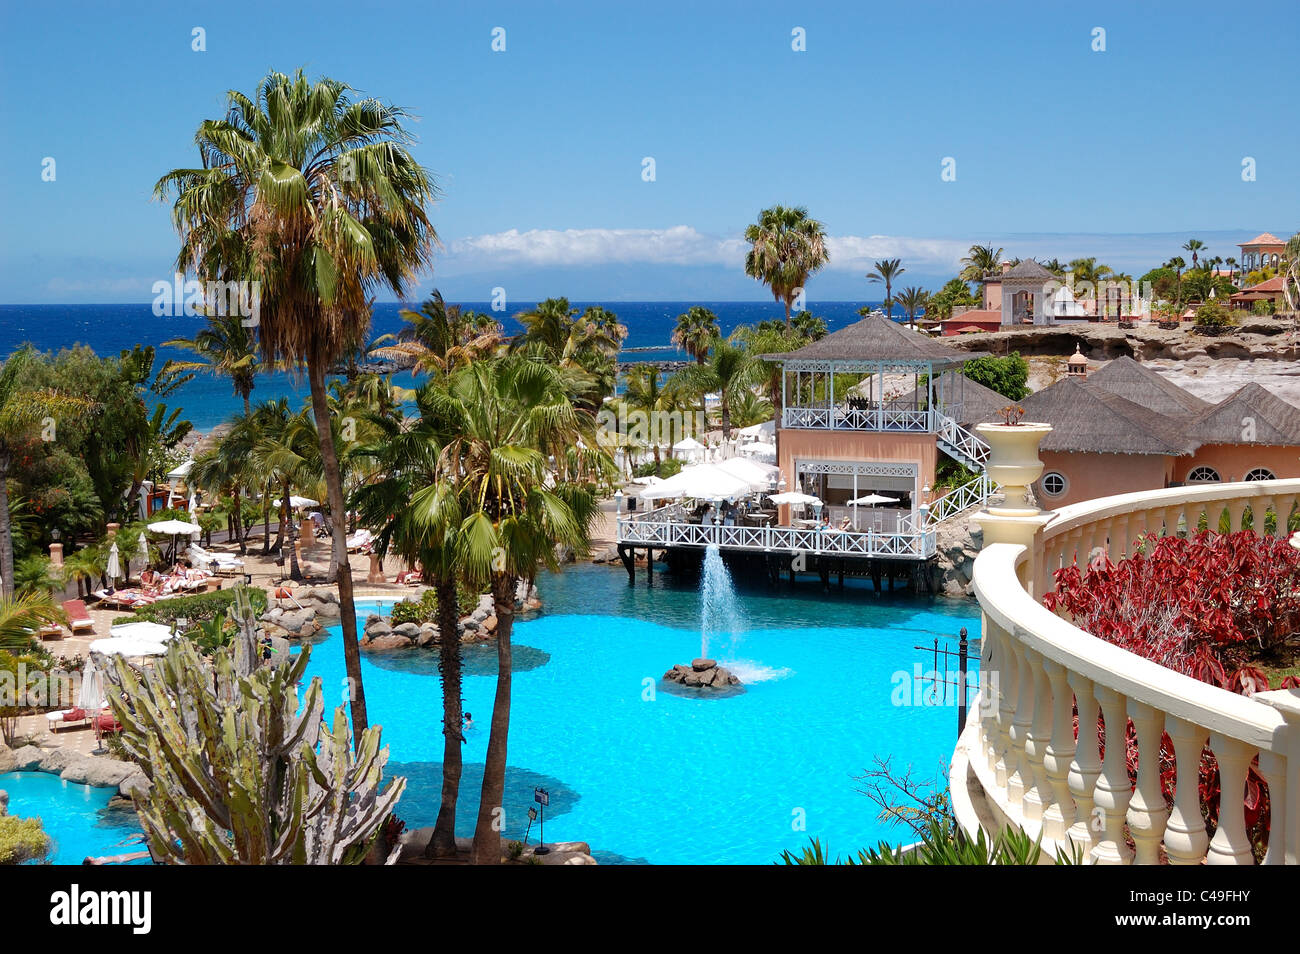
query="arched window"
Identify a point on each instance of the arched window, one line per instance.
(1203, 475)
(1259, 473)
(1054, 484)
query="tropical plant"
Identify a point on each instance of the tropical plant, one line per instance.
(886, 271)
(314, 195)
(440, 337)
(21, 617)
(730, 369)
(696, 328)
(503, 418)
(585, 347)
(22, 840)
(21, 409)
(942, 844)
(955, 294)
(913, 299)
(1213, 315)
(978, 263)
(750, 408)
(240, 774)
(1194, 246)
(653, 412)
(786, 248)
(227, 346)
(1007, 374)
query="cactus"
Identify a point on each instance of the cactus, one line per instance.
(238, 776)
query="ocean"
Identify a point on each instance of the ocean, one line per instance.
(208, 400)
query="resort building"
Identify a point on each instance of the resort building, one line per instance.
(867, 413)
(1126, 428)
(1269, 290)
(1263, 251)
(1025, 293)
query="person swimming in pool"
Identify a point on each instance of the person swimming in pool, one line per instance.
(469, 720)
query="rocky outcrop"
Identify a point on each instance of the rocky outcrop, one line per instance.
(957, 544)
(702, 674)
(1257, 337)
(72, 766)
(608, 554)
(416, 841)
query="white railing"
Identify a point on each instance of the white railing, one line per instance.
(858, 419)
(973, 493)
(958, 438)
(1020, 750)
(639, 531)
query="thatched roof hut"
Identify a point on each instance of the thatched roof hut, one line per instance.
(1250, 415)
(979, 405)
(1135, 382)
(878, 339)
(1087, 419)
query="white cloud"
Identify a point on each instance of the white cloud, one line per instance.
(679, 245)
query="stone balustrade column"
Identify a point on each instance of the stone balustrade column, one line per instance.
(990, 653)
(1085, 767)
(1230, 844)
(56, 555)
(1147, 813)
(1284, 779)
(1272, 768)
(1038, 790)
(1236, 512)
(1021, 778)
(1060, 753)
(1185, 836)
(1113, 790)
(1008, 672)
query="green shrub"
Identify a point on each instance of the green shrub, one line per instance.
(21, 840)
(1214, 314)
(1265, 306)
(201, 606)
(667, 468)
(425, 609)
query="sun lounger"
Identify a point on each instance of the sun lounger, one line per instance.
(78, 616)
(225, 562)
(360, 540)
(65, 719)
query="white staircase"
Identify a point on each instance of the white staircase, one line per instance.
(959, 443)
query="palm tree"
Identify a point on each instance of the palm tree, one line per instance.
(22, 408)
(1194, 246)
(646, 396)
(417, 508)
(913, 299)
(328, 205)
(786, 247)
(22, 616)
(226, 347)
(1088, 273)
(585, 347)
(1177, 264)
(504, 417)
(730, 369)
(886, 271)
(696, 327)
(979, 262)
(441, 337)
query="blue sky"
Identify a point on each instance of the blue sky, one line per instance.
(1060, 151)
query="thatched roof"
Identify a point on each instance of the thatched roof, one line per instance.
(1135, 382)
(1025, 271)
(1250, 411)
(980, 405)
(1087, 419)
(877, 339)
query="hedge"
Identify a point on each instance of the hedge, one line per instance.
(201, 606)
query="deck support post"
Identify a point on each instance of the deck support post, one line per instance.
(628, 556)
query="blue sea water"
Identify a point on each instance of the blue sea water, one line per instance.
(76, 817)
(207, 400)
(646, 775)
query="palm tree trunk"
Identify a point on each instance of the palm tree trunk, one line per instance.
(787, 313)
(6, 532)
(443, 842)
(487, 834)
(726, 417)
(338, 526)
(286, 520)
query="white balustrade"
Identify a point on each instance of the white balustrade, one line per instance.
(1020, 751)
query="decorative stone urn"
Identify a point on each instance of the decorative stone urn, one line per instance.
(1013, 461)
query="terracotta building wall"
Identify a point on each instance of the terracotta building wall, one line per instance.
(1089, 476)
(1234, 461)
(856, 445)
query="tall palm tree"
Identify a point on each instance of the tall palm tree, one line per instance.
(585, 346)
(441, 337)
(22, 408)
(913, 299)
(730, 369)
(1177, 264)
(1194, 246)
(328, 206)
(786, 247)
(416, 506)
(504, 417)
(696, 327)
(886, 271)
(645, 395)
(979, 262)
(225, 347)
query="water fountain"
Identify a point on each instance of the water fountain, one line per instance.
(719, 618)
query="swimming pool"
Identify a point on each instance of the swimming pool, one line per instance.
(76, 817)
(643, 774)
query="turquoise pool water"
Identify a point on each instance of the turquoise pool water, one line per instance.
(76, 816)
(647, 775)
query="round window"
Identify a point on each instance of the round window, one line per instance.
(1054, 484)
(1203, 475)
(1259, 473)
